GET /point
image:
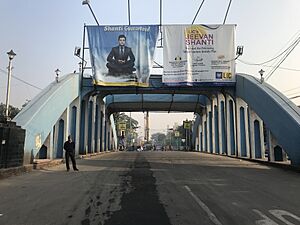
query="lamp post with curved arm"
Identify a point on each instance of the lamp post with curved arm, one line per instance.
(11, 55)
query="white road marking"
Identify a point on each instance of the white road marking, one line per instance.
(210, 214)
(280, 213)
(265, 221)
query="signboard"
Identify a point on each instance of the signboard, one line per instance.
(187, 125)
(38, 141)
(177, 133)
(122, 126)
(195, 54)
(122, 55)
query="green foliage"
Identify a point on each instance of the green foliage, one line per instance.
(13, 111)
(130, 134)
(158, 138)
(122, 117)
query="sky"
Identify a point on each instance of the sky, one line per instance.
(44, 34)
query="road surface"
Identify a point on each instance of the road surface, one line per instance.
(153, 188)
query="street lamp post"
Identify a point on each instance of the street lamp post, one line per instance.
(11, 55)
(261, 73)
(57, 72)
(80, 67)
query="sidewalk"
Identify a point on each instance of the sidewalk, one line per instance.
(40, 164)
(37, 164)
(7, 172)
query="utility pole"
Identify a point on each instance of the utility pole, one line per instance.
(146, 121)
(186, 139)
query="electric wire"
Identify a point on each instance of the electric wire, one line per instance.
(292, 39)
(297, 96)
(282, 60)
(227, 12)
(198, 11)
(282, 68)
(291, 89)
(23, 81)
(270, 60)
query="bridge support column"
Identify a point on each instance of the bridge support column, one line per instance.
(61, 129)
(215, 126)
(86, 125)
(106, 133)
(75, 123)
(231, 126)
(108, 128)
(222, 124)
(242, 129)
(256, 136)
(102, 125)
(204, 132)
(275, 151)
(90, 120)
(66, 118)
(93, 127)
(55, 135)
(98, 125)
(209, 129)
(82, 130)
(200, 137)
(270, 145)
(51, 145)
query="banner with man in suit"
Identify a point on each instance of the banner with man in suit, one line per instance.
(197, 54)
(122, 55)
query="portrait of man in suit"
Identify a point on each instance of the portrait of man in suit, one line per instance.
(120, 59)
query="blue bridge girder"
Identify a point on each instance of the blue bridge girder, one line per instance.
(156, 87)
(279, 114)
(155, 102)
(89, 103)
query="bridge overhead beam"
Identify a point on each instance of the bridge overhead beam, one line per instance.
(156, 87)
(158, 102)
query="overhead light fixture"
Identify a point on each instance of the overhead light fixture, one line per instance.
(85, 2)
(77, 51)
(239, 50)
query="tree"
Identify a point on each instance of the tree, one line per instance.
(158, 138)
(186, 135)
(13, 111)
(130, 123)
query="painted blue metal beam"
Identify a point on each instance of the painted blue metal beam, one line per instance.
(279, 114)
(155, 102)
(42, 112)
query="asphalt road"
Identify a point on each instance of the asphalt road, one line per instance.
(153, 188)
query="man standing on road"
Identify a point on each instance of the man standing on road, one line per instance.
(69, 147)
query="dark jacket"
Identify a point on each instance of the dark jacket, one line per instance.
(69, 146)
(114, 55)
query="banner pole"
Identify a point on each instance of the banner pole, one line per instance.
(82, 58)
(128, 5)
(160, 23)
